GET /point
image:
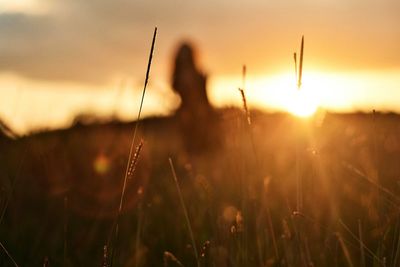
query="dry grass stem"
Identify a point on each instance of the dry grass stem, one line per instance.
(134, 161)
(361, 242)
(184, 211)
(133, 140)
(301, 63)
(362, 253)
(169, 257)
(8, 254)
(345, 250)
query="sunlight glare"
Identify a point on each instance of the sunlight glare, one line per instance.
(23, 6)
(277, 92)
(301, 103)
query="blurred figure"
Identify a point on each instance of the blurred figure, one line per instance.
(196, 117)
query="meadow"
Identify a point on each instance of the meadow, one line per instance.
(238, 188)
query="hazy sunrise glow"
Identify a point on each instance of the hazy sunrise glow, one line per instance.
(339, 92)
(70, 57)
(36, 105)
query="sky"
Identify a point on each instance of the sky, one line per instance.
(67, 57)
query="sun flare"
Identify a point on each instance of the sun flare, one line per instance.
(277, 92)
(301, 103)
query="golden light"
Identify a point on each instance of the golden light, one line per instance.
(276, 92)
(24, 6)
(24, 103)
(302, 103)
(101, 164)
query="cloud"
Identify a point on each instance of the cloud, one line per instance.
(68, 46)
(76, 41)
(94, 41)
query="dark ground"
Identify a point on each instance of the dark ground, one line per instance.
(60, 192)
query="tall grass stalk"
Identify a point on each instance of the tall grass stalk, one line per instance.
(394, 240)
(295, 65)
(397, 255)
(169, 257)
(184, 211)
(105, 257)
(360, 174)
(272, 233)
(132, 145)
(362, 253)
(244, 185)
(137, 121)
(13, 183)
(345, 250)
(377, 163)
(299, 194)
(138, 230)
(301, 63)
(8, 254)
(245, 203)
(361, 243)
(65, 231)
(244, 100)
(299, 182)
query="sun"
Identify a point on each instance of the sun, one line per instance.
(301, 103)
(276, 93)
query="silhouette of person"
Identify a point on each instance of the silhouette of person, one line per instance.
(195, 115)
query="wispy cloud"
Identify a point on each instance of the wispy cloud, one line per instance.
(94, 41)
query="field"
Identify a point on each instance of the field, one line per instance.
(282, 191)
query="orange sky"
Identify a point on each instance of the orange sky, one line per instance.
(78, 53)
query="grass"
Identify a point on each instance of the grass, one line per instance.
(133, 158)
(248, 202)
(189, 226)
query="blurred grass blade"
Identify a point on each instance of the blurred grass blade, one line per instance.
(362, 253)
(345, 250)
(301, 63)
(132, 145)
(8, 254)
(184, 211)
(295, 65)
(361, 242)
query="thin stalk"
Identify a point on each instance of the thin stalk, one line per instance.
(301, 63)
(138, 232)
(13, 183)
(9, 255)
(258, 166)
(133, 142)
(298, 176)
(361, 242)
(168, 256)
(244, 72)
(244, 101)
(137, 120)
(295, 65)
(299, 182)
(299, 195)
(345, 250)
(372, 182)
(65, 231)
(397, 255)
(272, 233)
(362, 256)
(184, 211)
